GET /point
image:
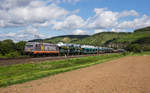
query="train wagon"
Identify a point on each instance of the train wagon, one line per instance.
(87, 49)
(36, 48)
(69, 49)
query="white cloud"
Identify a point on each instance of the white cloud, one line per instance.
(21, 35)
(99, 31)
(118, 30)
(18, 13)
(128, 13)
(45, 24)
(8, 4)
(35, 12)
(31, 32)
(10, 34)
(103, 19)
(70, 1)
(26, 34)
(79, 32)
(71, 22)
(136, 23)
(64, 1)
(76, 11)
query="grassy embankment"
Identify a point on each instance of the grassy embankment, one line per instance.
(25, 72)
(13, 56)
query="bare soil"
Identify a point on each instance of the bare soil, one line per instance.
(124, 75)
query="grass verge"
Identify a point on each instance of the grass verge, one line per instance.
(25, 72)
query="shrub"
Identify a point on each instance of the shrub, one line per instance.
(20, 47)
(7, 46)
(12, 54)
(134, 48)
(125, 53)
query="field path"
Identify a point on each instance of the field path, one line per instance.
(124, 75)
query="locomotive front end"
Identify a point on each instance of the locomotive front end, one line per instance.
(29, 48)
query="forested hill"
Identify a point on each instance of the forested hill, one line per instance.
(119, 39)
(109, 39)
(65, 39)
(101, 38)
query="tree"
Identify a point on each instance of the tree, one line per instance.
(7, 46)
(134, 48)
(20, 46)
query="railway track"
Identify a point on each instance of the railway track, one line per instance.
(24, 60)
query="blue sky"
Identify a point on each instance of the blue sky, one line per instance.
(87, 6)
(32, 19)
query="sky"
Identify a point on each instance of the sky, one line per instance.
(39, 19)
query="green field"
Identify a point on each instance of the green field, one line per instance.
(20, 73)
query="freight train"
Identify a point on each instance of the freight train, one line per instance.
(37, 48)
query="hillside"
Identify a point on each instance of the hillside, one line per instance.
(117, 40)
(136, 35)
(65, 39)
(108, 39)
(101, 38)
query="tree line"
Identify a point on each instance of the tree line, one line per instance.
(8, 48)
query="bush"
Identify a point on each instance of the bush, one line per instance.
(125, 53)
(20, 47)
(13, 54)
(7, 46)
(134, 48)
(145, 47)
